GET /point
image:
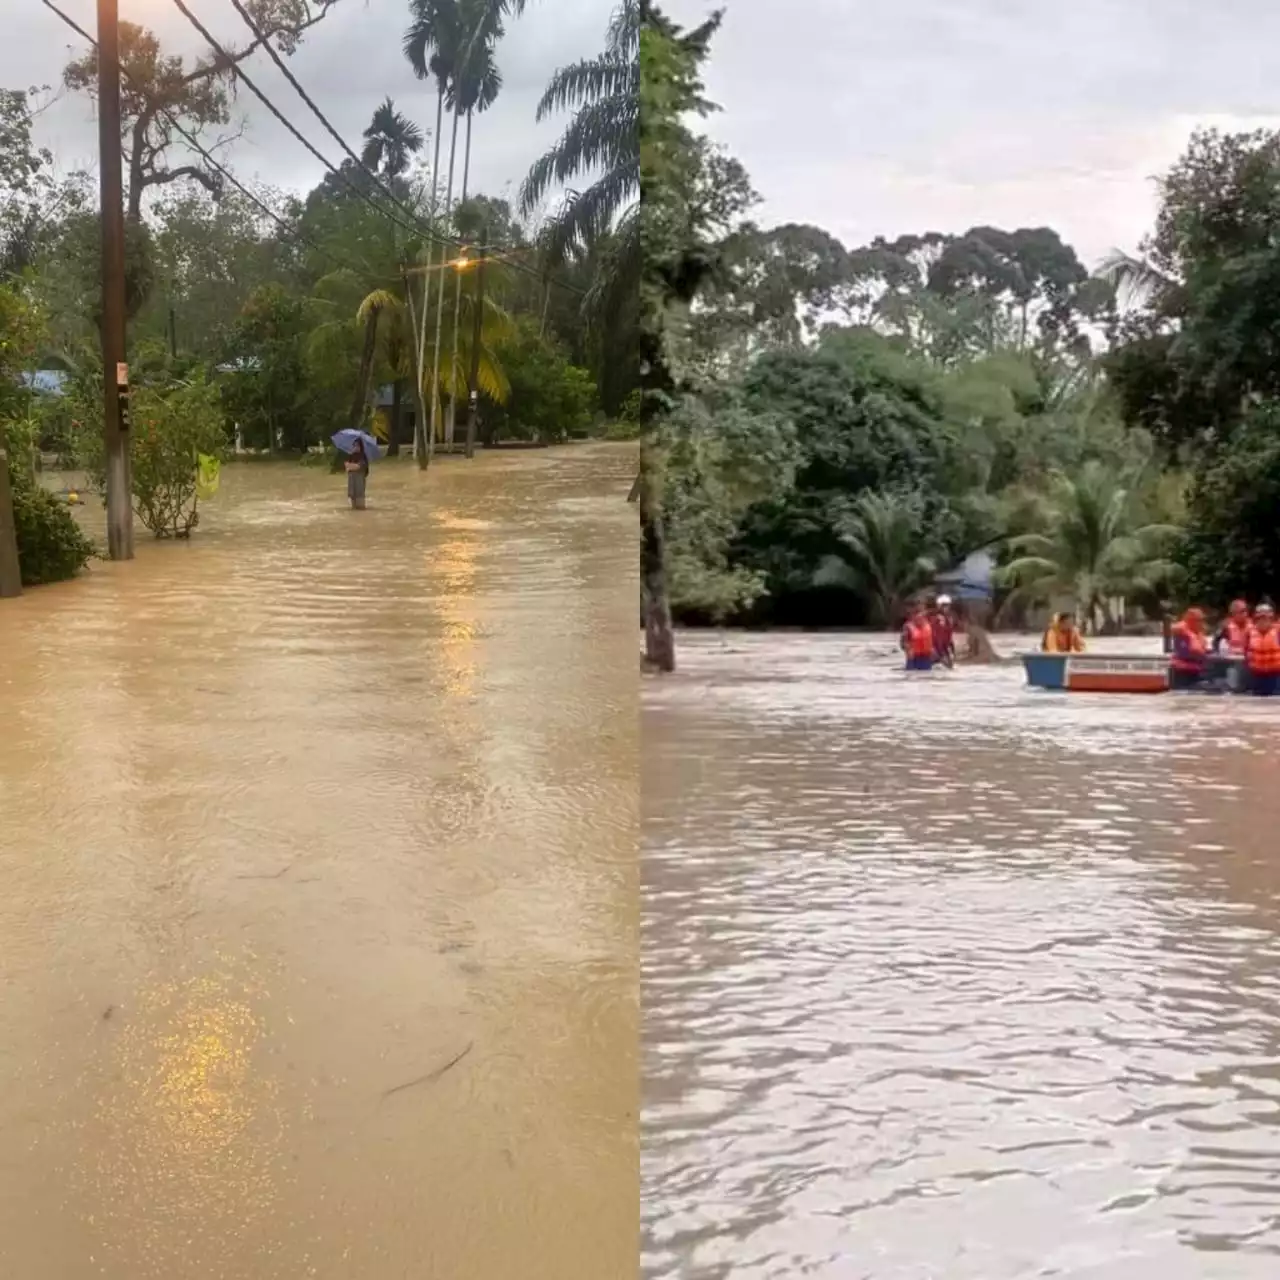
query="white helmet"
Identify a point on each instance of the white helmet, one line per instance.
(943, 600)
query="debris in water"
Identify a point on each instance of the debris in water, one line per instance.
(432, 1076)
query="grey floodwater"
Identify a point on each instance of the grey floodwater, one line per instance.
(946, 979)
(317, 887)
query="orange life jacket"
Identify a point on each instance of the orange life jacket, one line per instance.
(1237, 634)
(1193, 645)
(919, 637)
(1262, 653)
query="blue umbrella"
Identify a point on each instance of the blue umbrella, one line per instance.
(346, 441)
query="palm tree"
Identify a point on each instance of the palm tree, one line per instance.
(477, 90)
(1093, 546)
(882, 542)
(428, 44)
(1137, 280)
(602, 138)
(444, 40)
(391, 141)
(368, 314)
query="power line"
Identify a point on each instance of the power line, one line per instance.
(191, 140)
(416, 226)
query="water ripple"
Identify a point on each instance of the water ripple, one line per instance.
(947, 981)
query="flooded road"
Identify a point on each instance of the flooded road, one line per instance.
(317, 887)
(945, 979)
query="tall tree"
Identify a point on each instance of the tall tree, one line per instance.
(391, 141)
(477, 88)
(157, 89)
(601, 140)
(671, 243)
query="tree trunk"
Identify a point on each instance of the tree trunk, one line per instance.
(655, 605)
(457, 298)
(423, 442)
(10, 569)
(393, 429)
(421, 454)
(444, 248)
(361, 400)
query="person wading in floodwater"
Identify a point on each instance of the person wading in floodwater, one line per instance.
(357, 465)
(917, 640)
(1262, 653)
(943, 622)
(1190, 648)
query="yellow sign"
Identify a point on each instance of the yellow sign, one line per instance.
(208, 473)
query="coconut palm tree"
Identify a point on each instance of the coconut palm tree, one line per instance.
(1137, 280)
(445, 39)
(368, 314)
(477, 89)
(429, 44)
(391, 141)
(1092, 545)
(882, 544)
(603, 138)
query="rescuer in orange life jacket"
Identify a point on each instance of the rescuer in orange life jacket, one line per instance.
(1262, 653)
(1190, 649)
(1234, 632)
(1062, 636)
(917, 640)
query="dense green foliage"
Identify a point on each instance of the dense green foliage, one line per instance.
(1108, 437)
(51, 545)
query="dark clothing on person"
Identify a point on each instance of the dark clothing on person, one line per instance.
(357, 481)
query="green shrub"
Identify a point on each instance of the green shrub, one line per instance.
(551, 400)
(51, 545)
(171, 427)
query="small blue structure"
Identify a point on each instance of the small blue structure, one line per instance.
(48, 382)
(971, 579)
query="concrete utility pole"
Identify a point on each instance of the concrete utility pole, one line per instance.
(10, 572)
(115, 370)
(473, 391)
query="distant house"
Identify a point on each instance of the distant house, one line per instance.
(47, 382)
(971, 580)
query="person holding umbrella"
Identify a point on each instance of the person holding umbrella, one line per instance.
(361, 449)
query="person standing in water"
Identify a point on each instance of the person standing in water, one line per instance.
(917, 640)
(1234, 632)
(943, 623)
(357, 465)
(1190, 648)
(1262, 653)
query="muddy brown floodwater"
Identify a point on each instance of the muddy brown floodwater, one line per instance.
(944, 979)
(293, 818)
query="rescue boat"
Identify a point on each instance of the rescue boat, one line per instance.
(1123, 673)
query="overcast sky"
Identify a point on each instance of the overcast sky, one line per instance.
(866, 117)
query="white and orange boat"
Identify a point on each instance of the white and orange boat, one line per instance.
(1122, 673)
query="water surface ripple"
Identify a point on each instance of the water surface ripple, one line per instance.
(291, 819)
(947, 980)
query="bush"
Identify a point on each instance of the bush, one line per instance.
(551, 400)
(51, 545)
(171, 427)
(1229, 548)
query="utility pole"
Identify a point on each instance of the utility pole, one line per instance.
(473, 391)
(10, 570)
(115, 370)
